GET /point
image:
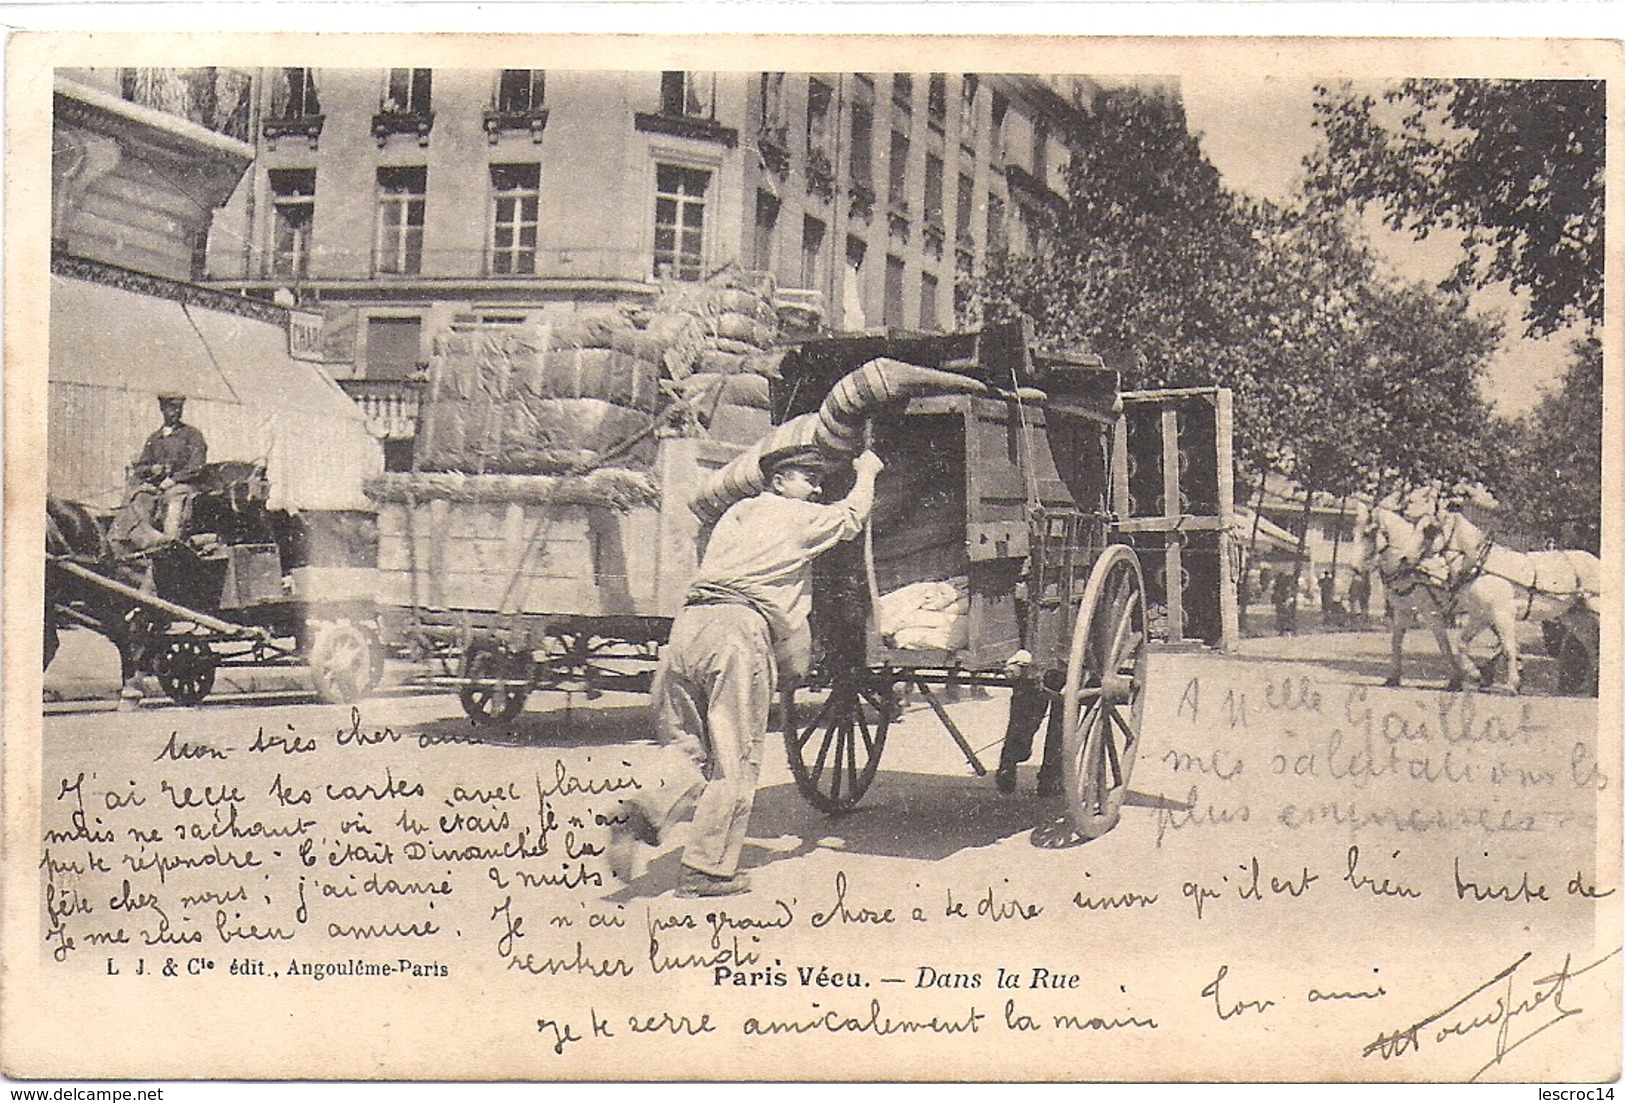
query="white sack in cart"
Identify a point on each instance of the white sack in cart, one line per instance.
(926, 616)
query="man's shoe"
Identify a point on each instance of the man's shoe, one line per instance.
(629, 841)
(1005, 779)
(697, 883)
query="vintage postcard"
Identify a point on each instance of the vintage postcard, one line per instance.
(954, 559)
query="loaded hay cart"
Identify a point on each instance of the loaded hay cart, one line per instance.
(1000, 503)
(542, 540)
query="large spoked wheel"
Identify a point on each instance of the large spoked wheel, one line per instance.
(498, 683)
(185, 670)
(835, 740)
(1104, 697)
(346, 662)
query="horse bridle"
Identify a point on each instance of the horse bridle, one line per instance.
(1461, 568)
(1406, 577)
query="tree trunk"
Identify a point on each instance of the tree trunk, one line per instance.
(1252, 550)
(1337, 533)
(1298, 558)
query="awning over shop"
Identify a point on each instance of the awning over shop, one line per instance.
(113, 350)
(108, 337)
(1273, 540)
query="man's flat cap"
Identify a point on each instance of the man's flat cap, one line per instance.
(796, 455)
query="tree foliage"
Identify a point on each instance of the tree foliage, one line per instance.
(1421, 356)
(1341, 378)
(1516, 166)
(1145, 235)
(1549, 481)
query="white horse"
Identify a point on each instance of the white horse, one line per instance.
(1440, 559)
(1392, 545)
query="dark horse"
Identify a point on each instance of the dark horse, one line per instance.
(76, 535)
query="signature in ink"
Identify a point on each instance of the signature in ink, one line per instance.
(1510, 1006)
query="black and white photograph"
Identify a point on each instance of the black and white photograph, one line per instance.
(1028, 560)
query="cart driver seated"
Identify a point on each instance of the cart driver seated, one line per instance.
(163, 475)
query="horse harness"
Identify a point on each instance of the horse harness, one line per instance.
(1410, 575)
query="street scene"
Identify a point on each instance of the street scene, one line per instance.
(825, 575)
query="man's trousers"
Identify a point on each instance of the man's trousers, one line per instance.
(713, 691)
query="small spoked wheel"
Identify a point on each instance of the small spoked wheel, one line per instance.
(835, 740)
(185, 670)
(498, 681)
(346, 662)
(1104, 697)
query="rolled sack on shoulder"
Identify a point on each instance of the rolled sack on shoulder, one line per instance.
(858, 395)
(741, 477)
(837, 427)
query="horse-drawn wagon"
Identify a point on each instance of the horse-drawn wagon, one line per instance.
(243, 586)
(991, 557)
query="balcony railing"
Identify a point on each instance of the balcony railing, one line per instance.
(419, 123)
(391, 405)
(820, 173)
(935, 235)
(898, 219)
(533, 119)
(685, 126)
(862, 195)
(773, 143)
(308, 127)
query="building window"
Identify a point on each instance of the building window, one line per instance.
(767, 226)
(293, 202)
(852, 314)
(936, 101)
(515, 198)
(863, 155)
(897, 189)
(902, 91)
(1001, 107)
(812, 254)
(820, 158)
(967, 108)
(465, 323)
(964, 288)
(398, 249)
(407, 92)
(928, 302)
(293, 94)
(997, 239)
(771, 96)
(933, 189)
(680, 221)
(965, 208)
(393, 347)
(892, 306)
(690, 95)
(521, 90)
(819, 97)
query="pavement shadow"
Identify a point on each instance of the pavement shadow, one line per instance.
(920, 816)
(903, 815)
(1538, 673)
(557, 727)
